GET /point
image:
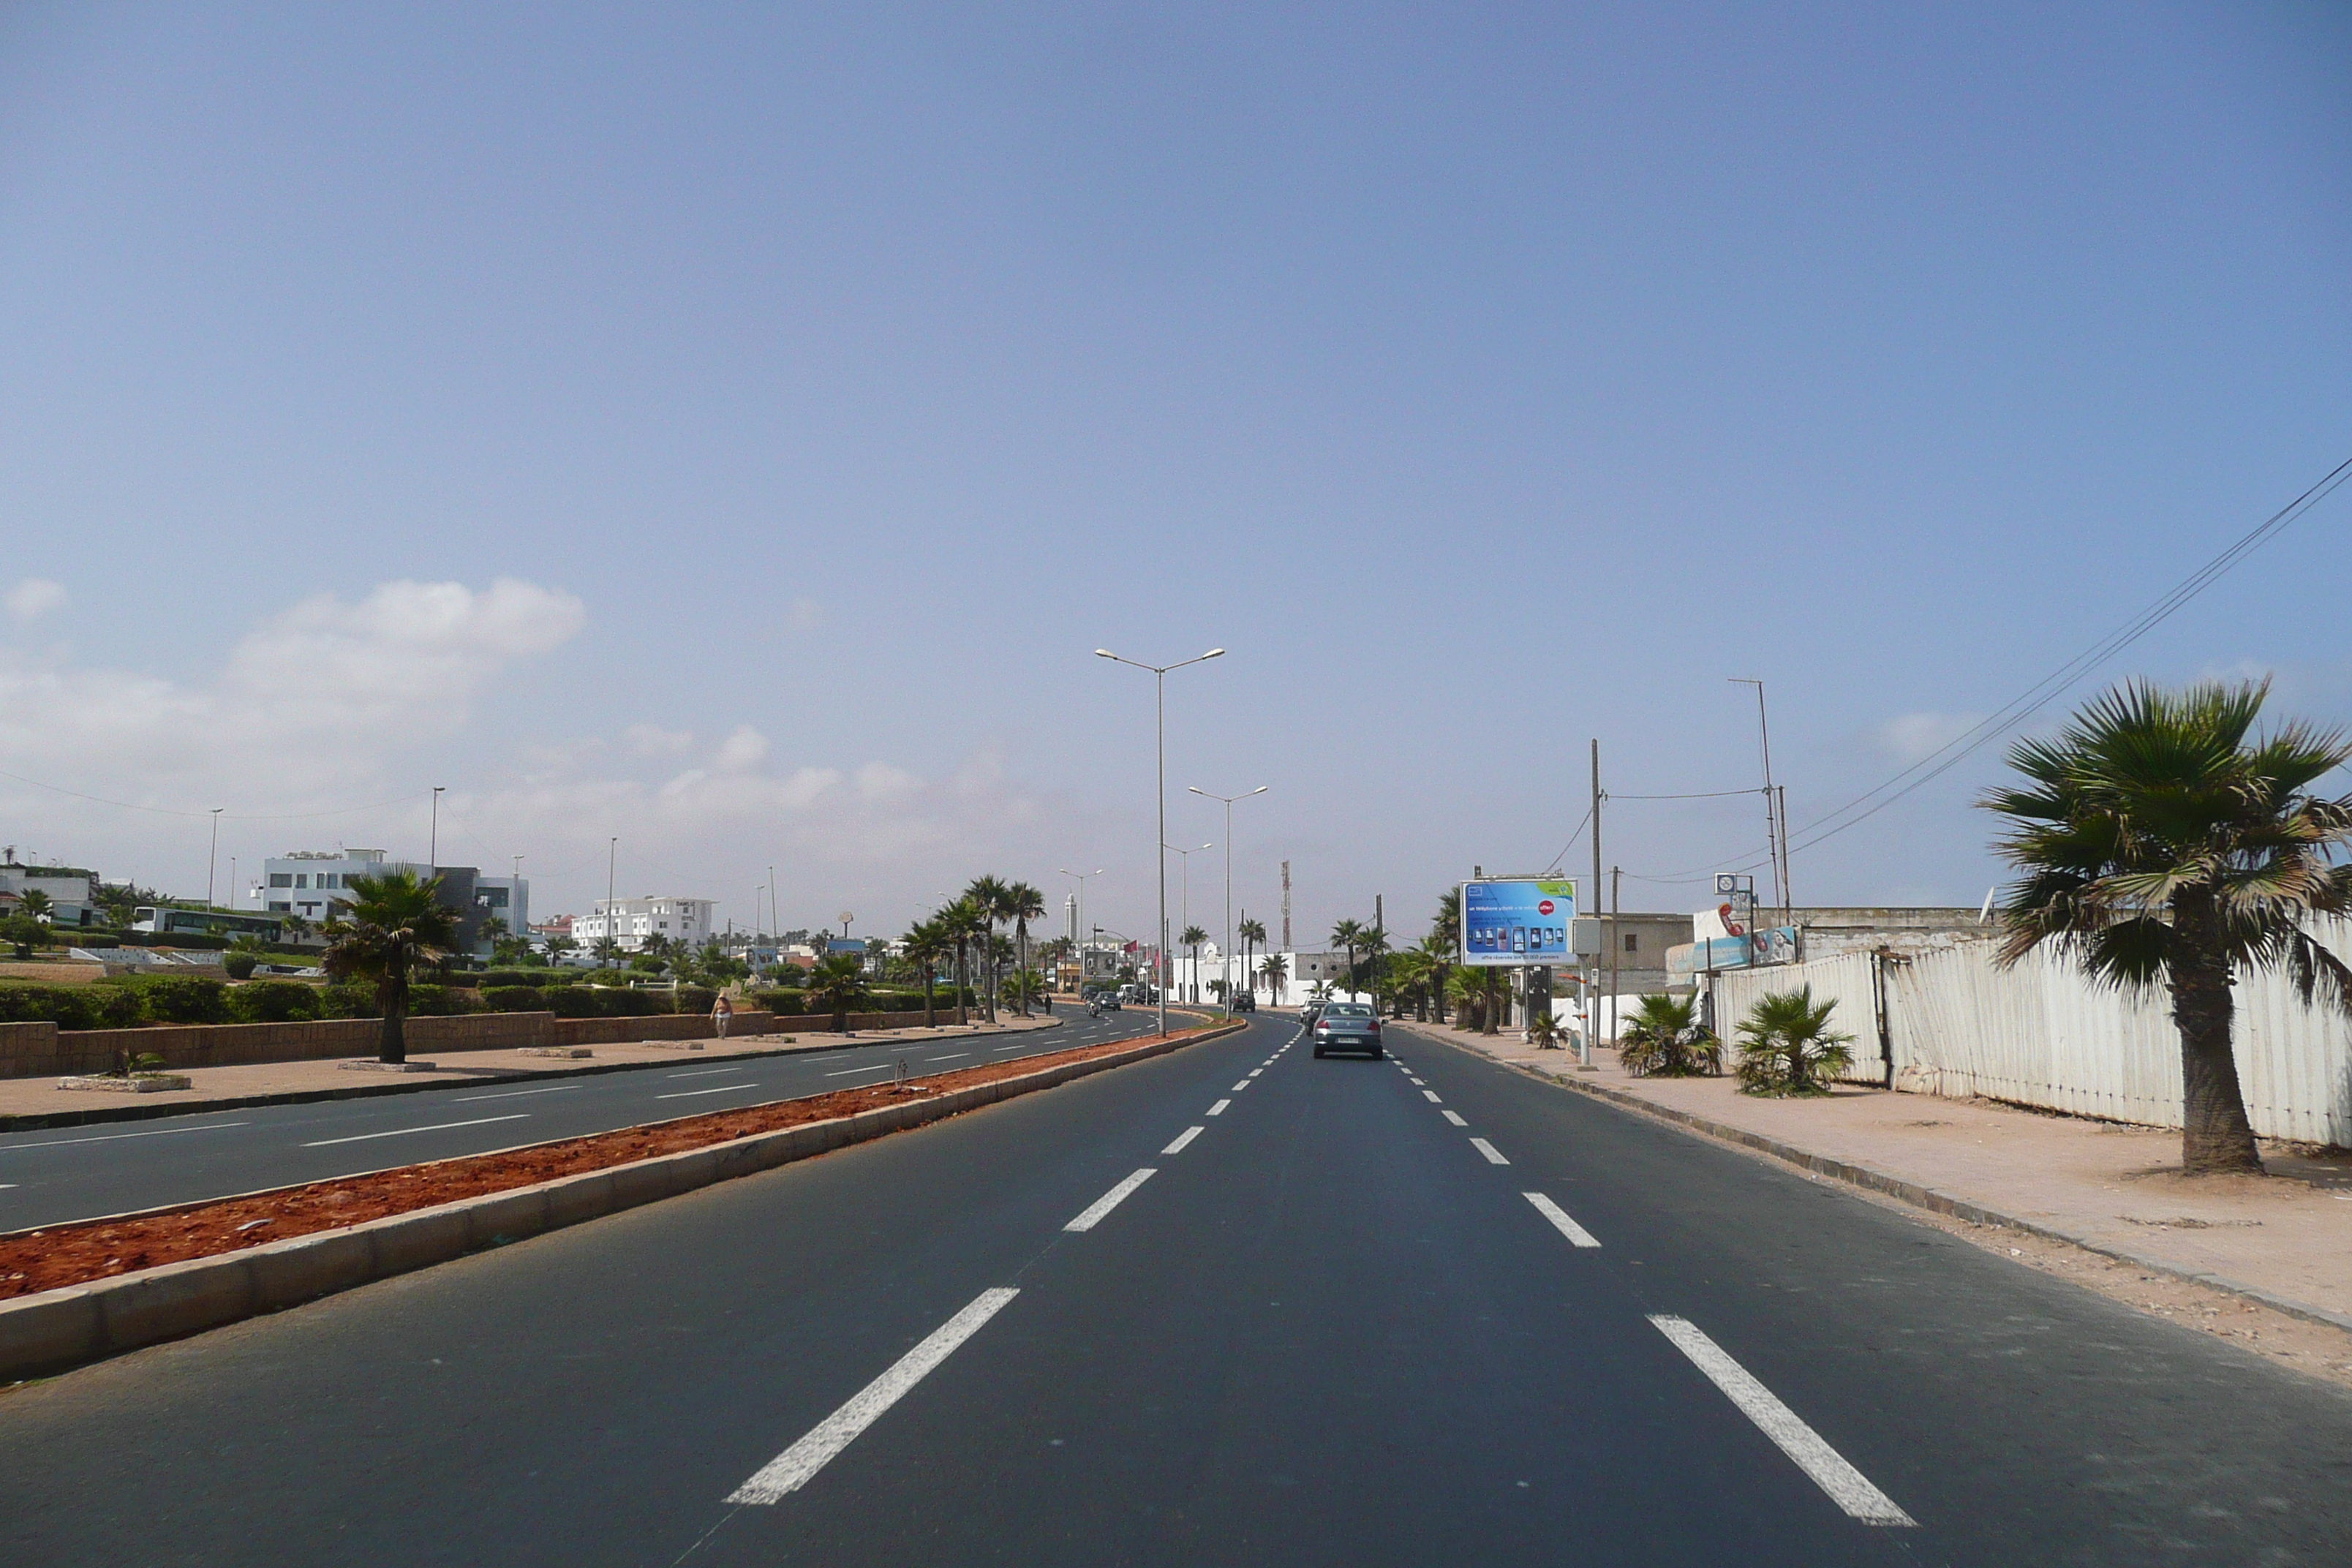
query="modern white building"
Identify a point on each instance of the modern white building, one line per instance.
(73, 892)
(630, 921)
(316, 883)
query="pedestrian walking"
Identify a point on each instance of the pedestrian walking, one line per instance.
(722, 1013)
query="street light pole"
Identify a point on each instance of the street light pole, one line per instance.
(1775, 824)
(1159, 724)
(1080, 877)
(212, 857)
(1184, 902)
(1225, 963)
(612, 921)
(432, 844)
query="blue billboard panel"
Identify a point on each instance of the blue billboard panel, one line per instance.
(1518, 922)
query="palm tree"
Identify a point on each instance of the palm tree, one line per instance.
(1025, 986)
(1252, 933)
(1349, 934)
(2161, 846)
(1664, 1039)
(1276, 971)
(987, 894)
(925, 944)
(1787, 1048)
(1376, 947)
(1192, 937)
(36, 903)
(839, 982)
(961, 923)
(1024, 903)
(394, 923)
(1471, 996)
(1438, 951)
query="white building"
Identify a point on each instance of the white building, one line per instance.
(630, 921)
(73, 892)
(316, 883)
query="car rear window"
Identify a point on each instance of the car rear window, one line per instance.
(1349, 1010)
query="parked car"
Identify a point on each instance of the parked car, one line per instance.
(1347, 1026)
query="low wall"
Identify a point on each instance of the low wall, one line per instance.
(42, 1049)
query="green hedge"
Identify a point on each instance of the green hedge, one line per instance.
(541, 979)
(70, 1006)
(514, 998)
(276, 1002)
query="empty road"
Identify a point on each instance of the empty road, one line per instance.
(1233, 1305)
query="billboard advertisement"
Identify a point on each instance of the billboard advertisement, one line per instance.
(1518, 922)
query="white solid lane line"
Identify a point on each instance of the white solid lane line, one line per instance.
(1241, 1086)
(436, 1127)
(951, 1056)
(1183, 1138)
(111, 1137)
(790, 1470)
(514, 1093)
(1094, 1212)
(722, 1089)
(1219, 1109)
(702, 1072)
(1431, 1095)
(1847, 1487)
(1561, 1222)
(1454, 1117)
(876, 1067)
(1494, 1155)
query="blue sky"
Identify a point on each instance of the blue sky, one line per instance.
(730, 428)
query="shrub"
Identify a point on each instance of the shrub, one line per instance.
(786, 1001)
(619, 1003)
(514, 998)
(349, 1000)
(275, 1001)
(543, 978)
(181, 999)
(1786, 1047)
(1662, 1038)
(694, 998)
(239, 965)
(576, 1002)
(70, 1006)
(443, 1000)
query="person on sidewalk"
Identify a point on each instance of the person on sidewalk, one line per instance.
(722, 1013)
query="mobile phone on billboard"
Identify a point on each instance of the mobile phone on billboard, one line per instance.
(1518, 939)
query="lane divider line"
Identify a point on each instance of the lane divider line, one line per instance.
(722, 1089)
(1219, 1109)
(1092, 1215)
(113, 1137)
(1847, 1487)
(1494, 1155)
(1255, 1071)
(1567, 1227)
(1431, 1095)
(792, 1469)
(870, 1066)
(516, 1093)
(1454, 1117)
(436, 1127)
(1183, 1138)
(1241, 1086)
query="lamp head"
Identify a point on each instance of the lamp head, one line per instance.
(1105, 653)
(1215, 653)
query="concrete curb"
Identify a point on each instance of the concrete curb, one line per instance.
(43, 1121)
(1912, 1193)
(64, 1328)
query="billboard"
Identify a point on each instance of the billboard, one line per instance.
(1517, 922)
(1781, 944)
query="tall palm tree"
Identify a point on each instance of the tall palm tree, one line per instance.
(1024, 903)
(1276, 971)
(924, 944)
(36, 903)
(2163, 845)
(1252, 933)
(962, 923)
(1349, 934)
(1376, 947)
(394, 923)
(1438, 951)
(987, 894)
(1193, 937)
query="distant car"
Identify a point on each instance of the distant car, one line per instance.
(1103, 1002)
(1243, 1002)
(1347, 1026)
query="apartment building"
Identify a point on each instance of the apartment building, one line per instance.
(630, 921)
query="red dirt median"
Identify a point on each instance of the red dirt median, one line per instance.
(76, 1253)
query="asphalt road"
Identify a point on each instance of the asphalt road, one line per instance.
(55, 1175)
(1328, 1328)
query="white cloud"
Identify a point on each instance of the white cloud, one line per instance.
(653, 741)
(746, 748)
(35, 596)
(1909, 738)
(881, 781)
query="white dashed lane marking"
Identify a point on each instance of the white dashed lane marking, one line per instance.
(1847, 1487)
(722, 1089)
(1454, 1117)
(1494, 1155)
(791, 1471)
(1561, 1222)
(397, 1131)
(1183, 1138)
(1092, 1215)
(1431, 1095)
(1219, 1109)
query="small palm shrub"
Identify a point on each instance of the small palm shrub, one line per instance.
(1664, 1039)
(1787, 1048)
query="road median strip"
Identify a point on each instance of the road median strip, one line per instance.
(52, 1325)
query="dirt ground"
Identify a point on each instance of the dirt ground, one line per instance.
(32, 1262)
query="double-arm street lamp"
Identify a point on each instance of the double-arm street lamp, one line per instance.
(1184, 904)
(1225, 953)
(1159, 725)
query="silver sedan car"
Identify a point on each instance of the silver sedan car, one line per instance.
(1347, 1026)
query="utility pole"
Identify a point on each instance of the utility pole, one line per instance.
(1788, 893)
(1286, 907)
(432, 844)
(1159, 857)
(1592, 968)
(1616, 883)
(612, 920)
(212, 859)
(1380, 939)
(1776, 824)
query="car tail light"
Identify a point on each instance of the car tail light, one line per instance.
(1374, 1025)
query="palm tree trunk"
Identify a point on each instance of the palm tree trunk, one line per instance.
(2215, 1136)
(930, 1012)
(1493, 1022)
(963, 1014)
(393, 1045)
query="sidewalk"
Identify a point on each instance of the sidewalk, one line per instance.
(31, 1102)
(2285, 1241)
